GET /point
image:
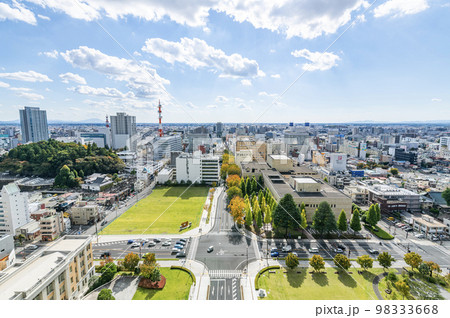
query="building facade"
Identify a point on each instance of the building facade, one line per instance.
(14, 210)
(123, 131)
(33, 122)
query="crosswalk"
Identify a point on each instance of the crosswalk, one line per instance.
(225, 274)
(234, 287)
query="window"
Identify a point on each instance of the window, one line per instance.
(61, 278)
(71, 279)
(49, 289)
(62, 289)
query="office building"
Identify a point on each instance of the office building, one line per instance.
(197, 168)
(84, 213)
(385, 194)
(59, 271)
(163, 146)
(14, 210)
(33, 122)
(258, 148)
(219, 129)
(123, 131)
(402, 155)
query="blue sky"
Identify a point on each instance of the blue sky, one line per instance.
(228, 60)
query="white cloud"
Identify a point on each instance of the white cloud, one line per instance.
(71, 77)
(31, 96)
(21, 89)
(191, 105)
(52, 54)
(398, 8)
(103, 92)
(30, 76)
(246, 82)
(437, 100)
(43, 17)
(16, 12)
(141, 78)
(275, 76)
(221, 99)
(197, 54)
(211, 106)
(4, 85)
(265, 94)
(244, 107)
(319, 61)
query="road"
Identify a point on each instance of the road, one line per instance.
(232, 252)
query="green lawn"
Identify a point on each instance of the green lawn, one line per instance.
(177, 287)
(294, 286)
(380, 233)
(176, 210)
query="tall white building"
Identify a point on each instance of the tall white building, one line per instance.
(197, 168)
(14, 211)
(444, 143)
(163, 146)
(33, 122)
(123, 131)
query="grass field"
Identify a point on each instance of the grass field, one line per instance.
(293, 285)
(177, 287)
(380, 233)
(176, 210)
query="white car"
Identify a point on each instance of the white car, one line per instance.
(135, 244)
(420, 235)
(287, 248)
(31, 247)
(313, 250)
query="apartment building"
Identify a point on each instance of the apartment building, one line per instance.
(60, 271)
(197, 168)
(7, 252)
(84, 213)
(14, 209)
(52, 225)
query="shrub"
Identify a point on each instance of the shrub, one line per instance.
(262, 272)
(391, 276)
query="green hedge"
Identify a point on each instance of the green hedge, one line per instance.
(262, 272)
(186, 270)
(380, 233)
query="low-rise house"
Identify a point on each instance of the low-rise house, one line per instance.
(97, 182)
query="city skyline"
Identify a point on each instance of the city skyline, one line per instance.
(213, 62)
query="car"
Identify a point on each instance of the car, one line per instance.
(166, 243)
(287, 248)
(130, 242)
(156, 240)
(180, 247)
(151, 244)
(104, 223)
(273, 249)
(31, 247)
(341, 246)
(435, 238)
(183, 240)
(105, 255)
(372, 251)
(338, 250)
(409, 229)
(391, 218)
(420, 235)
(274, 254)
(135, 244)
(210, 249)
(313, 250)
(145, 240)
(295, 254)
(181, 254)
(181, 243)
(175, 250)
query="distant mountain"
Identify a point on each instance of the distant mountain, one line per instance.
(84, 121)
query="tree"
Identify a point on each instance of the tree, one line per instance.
(234, 169)
(233, 181)
(21, 238)
(371, 217)
(413, 259)
(66, 178)
(317, 263)
(402, 288)
(385, 259)
(425, 269)
(365, 261)
(342, 262)
(355, 223)
(242, 186)
(291, 261)
(342, 222)
(105, 294)
(224, 171)
(267, 213)
(259, 221)
(151, 272)
(248, 187)
(394, 171)
(324, 220)
(254, 185)
(446, 195)
(150, 259)
(304, 223)
(286, 215)
(325, 179)
(248, 213)
(377, 211)
(131, 261)
(302, 206)
(434, 267)
(260, 182)
(237, 208)
(234, 192)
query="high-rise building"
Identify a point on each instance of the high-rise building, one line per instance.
(14, 211)
(123, 131)
(34, 124)
(219, 129)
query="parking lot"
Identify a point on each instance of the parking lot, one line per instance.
(162, 248)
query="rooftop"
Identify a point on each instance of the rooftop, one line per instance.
(305, 180)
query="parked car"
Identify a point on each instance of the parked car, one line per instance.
(287, 248)
(135, 244)
(166, 243)
(104, 223)
(274, 254)
(435, 238)
(105, 255)
(313, 250)
(273, 249)
(295, 254)
(156, 240)
(338, 250)
(420, 235)
(175, 250)
(210, 249)
(31, 247)
(409, 229)
(180, 247)
(183, 240)
(372, 251)
(130, 242)
(341, 246)
(181, 254)
(151, 244)
(181, 243)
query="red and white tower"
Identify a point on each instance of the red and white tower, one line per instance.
(107, 122)
(160, 118)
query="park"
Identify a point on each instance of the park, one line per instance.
(161, 212)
